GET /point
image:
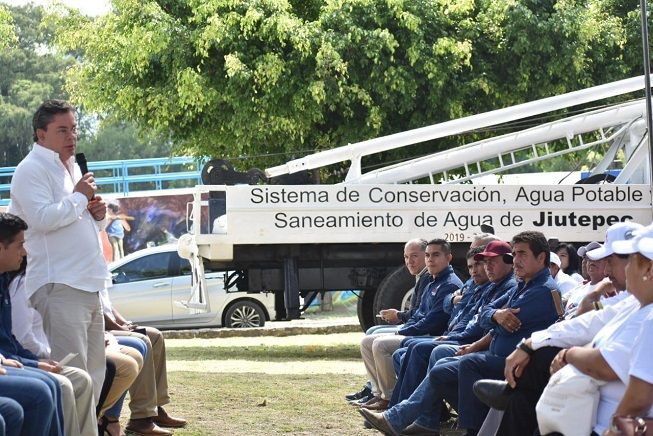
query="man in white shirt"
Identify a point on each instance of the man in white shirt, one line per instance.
(66, 269)
(527, 368)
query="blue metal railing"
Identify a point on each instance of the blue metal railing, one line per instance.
(125, 176)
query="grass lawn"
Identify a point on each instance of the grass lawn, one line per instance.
(262, 404)
(266, 386)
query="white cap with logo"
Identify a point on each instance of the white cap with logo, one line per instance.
(616, 232)
(642, 243)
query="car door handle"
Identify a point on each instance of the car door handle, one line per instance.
(160, 285)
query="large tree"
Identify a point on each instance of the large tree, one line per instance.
(229, 78)
(31, 73)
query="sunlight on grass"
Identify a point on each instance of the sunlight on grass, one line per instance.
(264, 352)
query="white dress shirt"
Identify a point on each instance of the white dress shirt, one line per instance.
(62, 241)
(565, 283)
(105, 302)
(613, 332)
(583, 329)
(26, 322)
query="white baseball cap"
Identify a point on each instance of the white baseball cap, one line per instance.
(555, 259)
(616, 232)
(642, 243)
(589, 247)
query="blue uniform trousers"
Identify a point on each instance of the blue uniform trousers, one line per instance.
(424, 405)
(474, 367)
(414, 366)
(35, 398)
(11, 417)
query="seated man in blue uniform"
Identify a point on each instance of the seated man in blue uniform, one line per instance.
(410, 371)
(495, 261)
(528, 308)
(430, 319)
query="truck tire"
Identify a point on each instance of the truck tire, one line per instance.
(394, 291)
(365, 309)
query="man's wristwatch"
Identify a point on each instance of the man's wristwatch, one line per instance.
(525, 348)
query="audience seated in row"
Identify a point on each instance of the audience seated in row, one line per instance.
(600, 313)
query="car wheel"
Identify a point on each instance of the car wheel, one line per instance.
(244, 314)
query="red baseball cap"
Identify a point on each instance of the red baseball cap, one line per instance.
(493, 249)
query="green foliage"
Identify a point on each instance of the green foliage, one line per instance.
(227, 78)
(7, 34)
(31, 73)
(116, 140)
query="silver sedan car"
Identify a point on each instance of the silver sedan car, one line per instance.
(149, 284)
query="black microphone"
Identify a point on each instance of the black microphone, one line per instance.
(83, 165)
(81, 161)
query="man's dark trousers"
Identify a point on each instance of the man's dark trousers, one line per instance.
(519, 418)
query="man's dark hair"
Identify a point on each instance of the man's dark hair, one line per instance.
(46, 112)
(444, 245)
(10, 227)
(536, 242)
(474, 251)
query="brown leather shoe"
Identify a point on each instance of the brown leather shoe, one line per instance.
(165, 420)
(367, 403)
(378, 421)
(380, 404)
(146, 427)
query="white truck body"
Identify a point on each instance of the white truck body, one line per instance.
(426, 198)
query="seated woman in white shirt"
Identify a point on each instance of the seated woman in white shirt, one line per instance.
(609, 358)
(596, 273)
(637, 399)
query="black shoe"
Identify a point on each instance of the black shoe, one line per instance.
(445, 414)
(365, 392)
(358, 403)
(417, 430)
(493, 393)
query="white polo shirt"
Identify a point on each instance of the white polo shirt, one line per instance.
(617, 348)
(62, 241)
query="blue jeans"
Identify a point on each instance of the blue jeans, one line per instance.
(11, 417)
(140, 346)
(414, 365)
(424, 405)
(35, 397)
(474, 367)
(441, 352)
